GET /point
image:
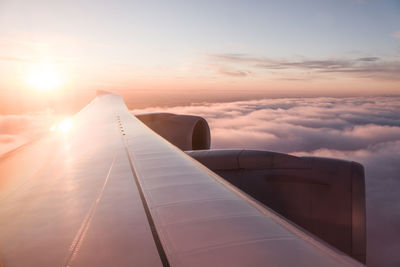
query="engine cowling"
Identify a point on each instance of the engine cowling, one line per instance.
(187, 132)
(324, 196)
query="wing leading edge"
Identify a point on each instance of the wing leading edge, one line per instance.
(112, 192)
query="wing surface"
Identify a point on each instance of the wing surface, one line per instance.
(111, 192)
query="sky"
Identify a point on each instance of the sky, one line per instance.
(148, 49)
(305, 77)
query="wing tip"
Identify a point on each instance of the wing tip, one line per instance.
(102, 92)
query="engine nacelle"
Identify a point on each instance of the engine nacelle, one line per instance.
(187, 132)
(324, 196)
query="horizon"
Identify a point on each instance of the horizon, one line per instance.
(308, 78)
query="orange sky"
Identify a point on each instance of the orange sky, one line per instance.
(165, 53)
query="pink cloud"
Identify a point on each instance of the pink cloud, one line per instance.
(15, 130)
(396, 35)
(366, 130)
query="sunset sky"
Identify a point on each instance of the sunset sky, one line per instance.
(240, 48)
(310, 77)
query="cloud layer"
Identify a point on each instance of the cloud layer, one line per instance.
(364, 67)
(366, 130)
(363, 129)
(16, 130)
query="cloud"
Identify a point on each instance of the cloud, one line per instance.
(370, 67)
(368, 59)
(363, 129)
(232, 72)
(16, 130)
(396, 35)
(10, 142)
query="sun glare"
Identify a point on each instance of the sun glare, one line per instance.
(44, 78)
(63, 126)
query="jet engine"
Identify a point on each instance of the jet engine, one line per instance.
(324, 196)
(187, 132)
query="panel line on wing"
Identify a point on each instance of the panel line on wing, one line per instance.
(156, 238)
(81, 234)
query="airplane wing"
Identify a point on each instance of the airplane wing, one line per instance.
(105, 190)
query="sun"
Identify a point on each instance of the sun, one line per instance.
(44, 78)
